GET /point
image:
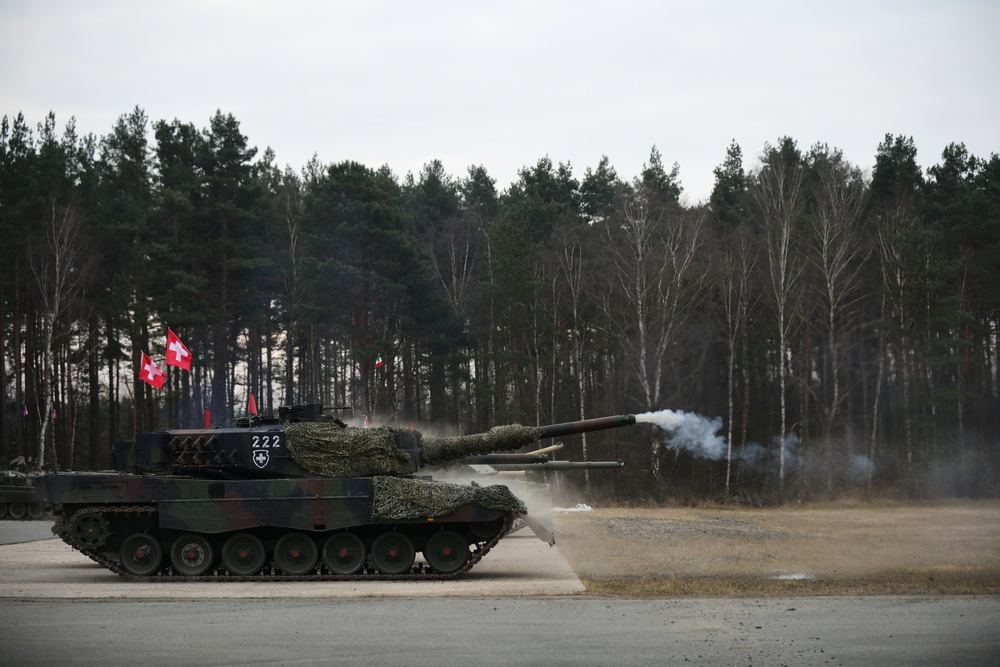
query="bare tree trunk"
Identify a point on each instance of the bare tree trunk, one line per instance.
(879, 379)
(572, 269)
(899, 278)
(58, 270)
(736, 264)
(69, 419)
(653, 252)
(838, 196)
(778, 193)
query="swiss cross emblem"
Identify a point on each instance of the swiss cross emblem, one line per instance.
(180, 354)
(261, 457)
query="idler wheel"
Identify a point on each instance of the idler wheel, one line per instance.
(141, 554)
(392, 553)
(485, 530)
(446, 552)
(36, 510)
(295, 554)
(243, 554)
(344, 553)
(191, 555)
(16, 510)
(90, 530)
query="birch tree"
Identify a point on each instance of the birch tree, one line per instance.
(737, 263)
(779, 196)
(59, 268)
(653, 247)
(838, 196)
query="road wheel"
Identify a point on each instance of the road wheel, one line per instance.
(344, 553)
(243, 554)
(446, 552)
(141, 554)
(392, 553)
(191, 555)
(295, 554)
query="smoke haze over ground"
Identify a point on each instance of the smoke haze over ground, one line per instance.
(700, 436)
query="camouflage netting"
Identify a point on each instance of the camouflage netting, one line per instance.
(505, 438)
(403, 498)
(327, 449)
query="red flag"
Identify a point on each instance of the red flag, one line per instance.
(253, 405)
(378, 362)
(177, 352)
(151, 373)
(208, 418)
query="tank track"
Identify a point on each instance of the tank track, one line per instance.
(269, 572)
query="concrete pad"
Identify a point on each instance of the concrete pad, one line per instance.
(520, 564)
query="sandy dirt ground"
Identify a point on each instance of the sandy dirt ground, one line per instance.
(859, 549)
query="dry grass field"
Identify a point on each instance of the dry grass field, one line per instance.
(839, 549)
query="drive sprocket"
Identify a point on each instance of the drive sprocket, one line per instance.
(89, 530)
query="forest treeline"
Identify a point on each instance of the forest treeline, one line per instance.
(841, 326)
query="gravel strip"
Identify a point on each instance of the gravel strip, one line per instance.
(649, 530)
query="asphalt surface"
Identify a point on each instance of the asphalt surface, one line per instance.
(18, 532)
(508, 631)
(58, 607)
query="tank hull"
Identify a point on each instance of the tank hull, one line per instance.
(136, 525)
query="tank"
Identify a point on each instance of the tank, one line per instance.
(18, 499)
(298, 497)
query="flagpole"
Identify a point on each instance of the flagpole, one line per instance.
(136, 388)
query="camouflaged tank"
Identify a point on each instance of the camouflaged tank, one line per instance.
(18, 499)
(302, 497)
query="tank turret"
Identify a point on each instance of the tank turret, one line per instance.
(326, 446)
(303, 496)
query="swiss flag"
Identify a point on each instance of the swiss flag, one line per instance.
(151, 373)
(177, 352)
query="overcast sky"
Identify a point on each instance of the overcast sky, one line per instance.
(505, 83)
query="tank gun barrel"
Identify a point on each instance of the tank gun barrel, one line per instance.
(585, 426)
(561, 466)
(508, 459)
(435, 451)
